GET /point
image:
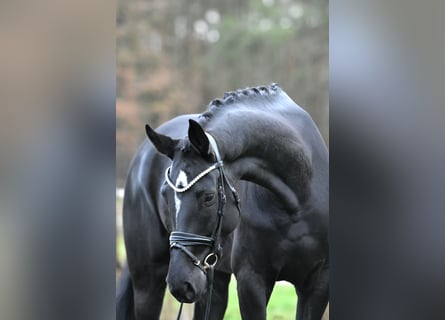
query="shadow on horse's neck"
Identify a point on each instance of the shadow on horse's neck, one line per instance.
(266, 151)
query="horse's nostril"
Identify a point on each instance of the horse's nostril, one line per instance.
(190, 293)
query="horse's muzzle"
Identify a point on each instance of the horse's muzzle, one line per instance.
(184, 292)
(186, 282)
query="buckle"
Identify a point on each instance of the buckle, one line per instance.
(211, 260)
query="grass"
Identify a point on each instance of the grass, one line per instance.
(282, 303)
(120, 246)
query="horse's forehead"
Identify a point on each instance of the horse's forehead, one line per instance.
(188, 164)
(185, 170)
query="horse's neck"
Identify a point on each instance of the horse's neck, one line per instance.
(267, 151)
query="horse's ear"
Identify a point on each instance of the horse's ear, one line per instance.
(163, 144)
(199, 139)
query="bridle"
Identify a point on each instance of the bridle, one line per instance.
(182, 240)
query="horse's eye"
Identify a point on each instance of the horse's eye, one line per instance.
(209, 197)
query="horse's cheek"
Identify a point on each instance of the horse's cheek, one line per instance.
(166, 218)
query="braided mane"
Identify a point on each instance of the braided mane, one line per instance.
(243, 96)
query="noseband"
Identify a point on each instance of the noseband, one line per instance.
(182, 240)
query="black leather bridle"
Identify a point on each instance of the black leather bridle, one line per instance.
(182, 240)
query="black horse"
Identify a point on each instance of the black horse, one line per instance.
(181, 209)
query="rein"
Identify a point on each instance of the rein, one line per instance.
(182, 240)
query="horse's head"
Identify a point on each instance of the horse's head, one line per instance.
(195, 189)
